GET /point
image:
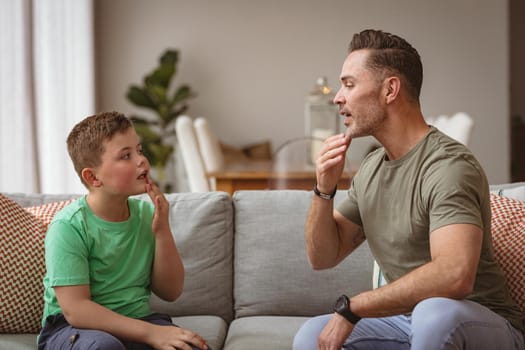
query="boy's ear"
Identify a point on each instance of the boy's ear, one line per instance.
(90, 178)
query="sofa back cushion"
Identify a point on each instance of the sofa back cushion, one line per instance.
(272, 275)
(515, 190)
(202, 225)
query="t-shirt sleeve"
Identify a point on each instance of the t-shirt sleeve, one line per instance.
(66, 255)
(457, 197)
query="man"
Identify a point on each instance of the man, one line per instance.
(422, 203)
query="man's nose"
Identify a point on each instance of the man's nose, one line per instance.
(338, 98)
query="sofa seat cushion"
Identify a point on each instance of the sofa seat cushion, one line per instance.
(211, 328)
(263, 332)
(22, 232)
(18, 341)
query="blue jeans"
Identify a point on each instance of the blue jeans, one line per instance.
(57, 334)
(435, 323)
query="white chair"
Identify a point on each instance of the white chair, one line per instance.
(191, 156)
(209, 145)
(459, 126)
(210, 148)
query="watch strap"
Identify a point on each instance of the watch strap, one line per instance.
(346, 312)
(323, 195)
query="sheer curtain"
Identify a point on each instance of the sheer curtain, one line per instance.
(47, 86)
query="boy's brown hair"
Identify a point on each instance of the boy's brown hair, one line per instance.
(85, 141)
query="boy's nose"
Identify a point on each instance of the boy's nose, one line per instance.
(143, 160)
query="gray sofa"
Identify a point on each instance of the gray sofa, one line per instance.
(248, 282)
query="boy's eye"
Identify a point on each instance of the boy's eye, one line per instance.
(126, 156)
(140, 151)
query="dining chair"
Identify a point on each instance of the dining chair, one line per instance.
(209, 145)
(296, 155)
(210, 148)
(191, 155)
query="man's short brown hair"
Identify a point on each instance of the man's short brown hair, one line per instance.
(85, 141)
(391, 54)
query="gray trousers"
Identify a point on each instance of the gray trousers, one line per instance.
(57, 334)
(436, 323)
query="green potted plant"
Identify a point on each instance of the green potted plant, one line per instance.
(157, 131)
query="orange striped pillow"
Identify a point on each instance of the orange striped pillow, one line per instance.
(508, 235)
(22, 232)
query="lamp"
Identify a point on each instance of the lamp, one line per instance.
(321, 116)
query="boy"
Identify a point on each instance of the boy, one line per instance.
(106, 252)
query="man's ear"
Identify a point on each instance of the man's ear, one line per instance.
(392, 87)
(90, 178)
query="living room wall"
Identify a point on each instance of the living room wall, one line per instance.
(253, 62)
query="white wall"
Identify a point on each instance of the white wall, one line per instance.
(253, 62)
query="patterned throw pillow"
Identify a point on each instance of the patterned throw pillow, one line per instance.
(22, 232)
(508, 235)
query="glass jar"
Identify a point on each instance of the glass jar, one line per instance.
(321, 116)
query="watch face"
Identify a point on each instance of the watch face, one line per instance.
(342, 307)
(341, 303)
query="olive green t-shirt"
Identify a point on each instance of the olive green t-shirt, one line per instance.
(114, 258)
(399, 203)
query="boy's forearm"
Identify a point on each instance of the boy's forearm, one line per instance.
(87, 314)
(168, 270)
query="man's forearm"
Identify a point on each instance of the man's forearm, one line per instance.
(321, 236)
(455, 251)
(402, 295)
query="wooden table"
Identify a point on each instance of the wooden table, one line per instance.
(261, 175)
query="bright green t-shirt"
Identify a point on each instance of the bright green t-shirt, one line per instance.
(114, 258)
(399, 203)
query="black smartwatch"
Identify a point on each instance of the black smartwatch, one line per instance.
(342, 307)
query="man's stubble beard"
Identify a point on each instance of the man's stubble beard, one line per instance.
(367, 123)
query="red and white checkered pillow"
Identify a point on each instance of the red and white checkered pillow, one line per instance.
(22, 232)
(508, 235)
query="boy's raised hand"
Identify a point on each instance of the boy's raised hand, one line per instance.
(161, 217)
(167, 279)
